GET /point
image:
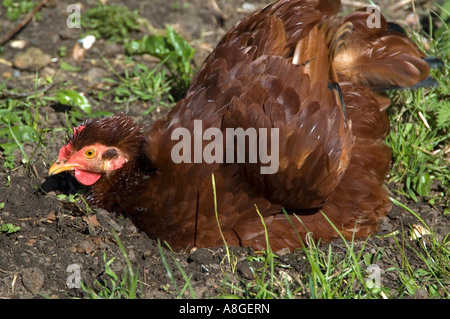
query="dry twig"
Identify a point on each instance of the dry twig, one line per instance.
(23, 23)
(8, 93)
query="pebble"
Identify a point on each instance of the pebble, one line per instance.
(421, 293)
(131, 253)
(31, 59)
(48, 71)
(112, 49)
(69, 33)
(86, 246)
(201, 256)
(18, 44)
(245, 271)
(95, 74)
(33, 279)
(115, 226)
(6, 74)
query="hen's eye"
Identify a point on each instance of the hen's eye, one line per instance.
(89, 153)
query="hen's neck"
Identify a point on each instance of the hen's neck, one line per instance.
(113, 192)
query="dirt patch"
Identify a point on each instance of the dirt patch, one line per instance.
(58, 239)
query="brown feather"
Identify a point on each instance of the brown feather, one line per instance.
(379, 57)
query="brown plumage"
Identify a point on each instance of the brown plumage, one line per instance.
(288, 66)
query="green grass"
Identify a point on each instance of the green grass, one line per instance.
(179, 292)
(174, 52)
(115, 23)
(77, 199)
(19, 124)
(139, 83)
(17, 8)
(111, 22)
(348, 270)
(420, 133)
(125, 286)
(8, 228)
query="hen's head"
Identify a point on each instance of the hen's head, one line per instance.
(99, 147)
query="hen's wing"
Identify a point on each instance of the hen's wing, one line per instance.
(314, 142)
(360, 199)
(251, 81)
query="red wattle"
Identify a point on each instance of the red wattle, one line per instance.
(86, 178)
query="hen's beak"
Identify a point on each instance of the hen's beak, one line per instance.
(59, 167)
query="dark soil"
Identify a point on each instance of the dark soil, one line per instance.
(56, 234)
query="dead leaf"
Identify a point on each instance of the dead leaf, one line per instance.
(31, 242)
(51, 217)
(91, 220)
(87, 246)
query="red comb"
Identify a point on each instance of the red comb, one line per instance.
(67, 149)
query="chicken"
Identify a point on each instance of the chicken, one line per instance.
(294, 71)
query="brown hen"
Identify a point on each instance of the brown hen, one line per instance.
(292, 66)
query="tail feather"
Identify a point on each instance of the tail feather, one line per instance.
(434, 62)
(383, 57)
(428, 82)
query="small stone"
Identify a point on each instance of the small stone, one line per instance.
(48, 71)
(112, 49)
(245, 271)
(33, 279)
(31, 59)
(18, 44)
(95, 74)
(6, 74)
(131, 254)
(69, 33)
(201, 256)
(421, 294)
